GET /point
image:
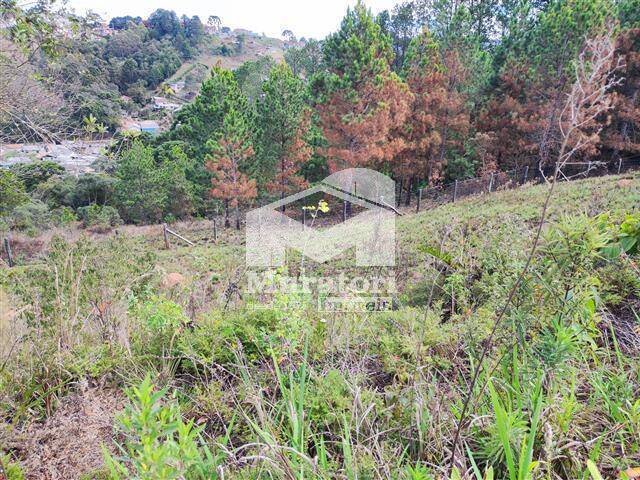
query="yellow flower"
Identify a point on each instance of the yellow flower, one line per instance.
(323, 206)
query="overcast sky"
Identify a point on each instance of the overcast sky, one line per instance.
(306, 18)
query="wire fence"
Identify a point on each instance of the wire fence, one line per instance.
(428, 197)
(420, 198)
(451, 192)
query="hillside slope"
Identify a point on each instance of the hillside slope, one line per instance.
(353, 393)
(254, 46)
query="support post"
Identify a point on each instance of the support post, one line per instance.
(215, 230)
(619, 165)
(455, 190)
(526, 174)
(419, 200)
(344, 211)
(165, 236)
(7, 249)
(491, 183)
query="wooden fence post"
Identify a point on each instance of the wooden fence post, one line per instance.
(491, 183)
(619, 165)
(7, 249)
(215, 230)
(166, 237)
(455, 190)
(526, 174)
(419, 200)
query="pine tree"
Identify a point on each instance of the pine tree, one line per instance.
(229, 156)
(540, 66)
(196, 123)
(296, 154)
(361, 100)
(438, 118)
(140, 187)
(284, 120)
(508, 123)
(621, 137)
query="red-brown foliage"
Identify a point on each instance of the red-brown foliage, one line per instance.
(357, 123)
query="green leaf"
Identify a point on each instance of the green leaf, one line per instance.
(593, 470)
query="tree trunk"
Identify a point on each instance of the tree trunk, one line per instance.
(282, 185)
(398, 198)
(407, 200)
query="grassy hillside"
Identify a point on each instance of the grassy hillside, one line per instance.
(254, 47)
(277, 389)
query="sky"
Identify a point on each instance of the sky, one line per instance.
(305, 18)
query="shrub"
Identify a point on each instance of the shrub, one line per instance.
(33, 174)
(76, 192)
(30, 217)
(158, 443)
(99, 216)
(11, 470)
(12, 192)
(64, 216)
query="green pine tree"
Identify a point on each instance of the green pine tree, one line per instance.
(202, 120)
(280, 114)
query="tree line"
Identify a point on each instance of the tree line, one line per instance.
(428, 92)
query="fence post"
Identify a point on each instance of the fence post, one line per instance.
(344, 211)
(7, 249)
(526, 174)
(215, 230)
(419, 200)
(619, 165)
(491, 183)
(455, 190)
(166, 237)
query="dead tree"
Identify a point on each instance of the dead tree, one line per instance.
(589, 100)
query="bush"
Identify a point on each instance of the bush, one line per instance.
(30, 217)
(63, 216)
(75, 192)
(99, 216)
(11, 470)
(33, 174)
(158, 443)
(12, 192)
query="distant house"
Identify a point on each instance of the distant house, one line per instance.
(177, 87)
(160, 103)
(150, 126)
(31, 148)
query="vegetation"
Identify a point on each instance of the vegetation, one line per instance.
(219, 387)
(427, 93)
(510, 345)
